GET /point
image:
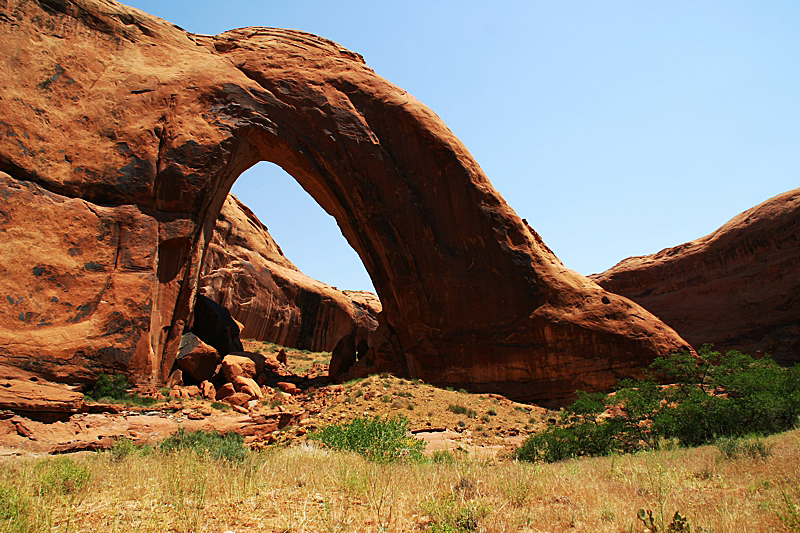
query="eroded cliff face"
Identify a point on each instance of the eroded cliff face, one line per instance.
(246, 272)
(125, 134)
(738, 288)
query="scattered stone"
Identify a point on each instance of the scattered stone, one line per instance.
(225, 391)
(237, 398)
(176, 378)
(289, 388)
(208, 391)
(247, 386)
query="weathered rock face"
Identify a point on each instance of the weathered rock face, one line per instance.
(738, 287)
(121, 135)
(246, 272)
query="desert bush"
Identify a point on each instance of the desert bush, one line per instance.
(377, 439)
(226, 447)
(125, 447)
(712, 396)
(115, 390)
(61, 476)
(737, 447)
(451, 515)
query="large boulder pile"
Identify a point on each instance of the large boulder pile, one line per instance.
(738, 288)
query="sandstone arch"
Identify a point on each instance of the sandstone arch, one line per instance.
(132, 131)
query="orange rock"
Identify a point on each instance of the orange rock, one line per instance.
(109, 202)
(28, 396)
(193, 391)
(289, 388)
(196, 358)
(736, 288)
(237, 398)
(234, 366)
(246, 272)
(247, 386)
(225, 391)
(208, 391)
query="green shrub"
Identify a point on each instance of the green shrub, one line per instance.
(377, 439)
(712, 396)
(115, 390)
(61, 476)
(457, 409)
(110, 387)
(18, 515)
(737, 447)
(227, 447)
(450, 515)
(125, 447)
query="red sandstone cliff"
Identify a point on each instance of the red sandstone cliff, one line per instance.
(738, 288)
(246, 272)
(122, 135)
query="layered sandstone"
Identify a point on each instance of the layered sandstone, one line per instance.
(246, 272)
(738, 288)
(121, 137)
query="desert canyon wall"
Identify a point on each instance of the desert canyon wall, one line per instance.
(121, 135)
(738, 288)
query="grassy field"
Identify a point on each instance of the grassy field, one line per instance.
(302, 488)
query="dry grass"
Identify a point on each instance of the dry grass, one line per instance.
(304, 489)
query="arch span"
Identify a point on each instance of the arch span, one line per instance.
(166, 121)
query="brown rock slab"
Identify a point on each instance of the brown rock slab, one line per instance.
(289, 388)
(738, 288)
(225, 391)
(37, 397)
(247, 386)
(238, 398)
(471, 296)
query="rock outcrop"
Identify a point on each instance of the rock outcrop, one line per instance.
(246, 272)
(738, 288)
(120, 137)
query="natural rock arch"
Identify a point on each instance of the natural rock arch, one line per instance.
(138, 129)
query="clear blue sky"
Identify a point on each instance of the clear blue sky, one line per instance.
(614, 128)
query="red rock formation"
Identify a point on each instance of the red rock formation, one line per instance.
(738, 288)
(121, 137)
(38, 398)
(246, 272)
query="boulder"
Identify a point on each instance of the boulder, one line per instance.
(246, 272)
(225, 391)
(237, 365)
(247, 386)
(175, 378)
(38, 397)
(238, 398)
(738, 288)
(122, 135)
(208, 391)
(197, 359)
(289, 388)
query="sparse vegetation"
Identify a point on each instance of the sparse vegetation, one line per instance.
(114, 389)
(714, 396)
(377, 439)
(227, 447)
